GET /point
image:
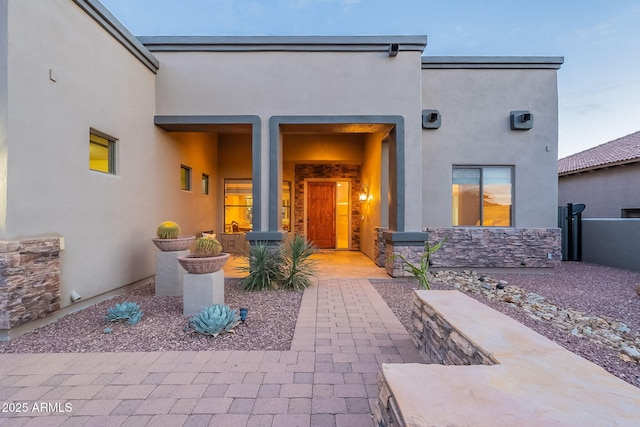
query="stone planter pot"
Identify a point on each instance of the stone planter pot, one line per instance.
(195, 265)
(171, 245)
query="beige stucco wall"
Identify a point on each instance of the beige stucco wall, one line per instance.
(267, 84)
(107, 221)
(372, 176)
(4, 77)
(605, 192)
(475, 106)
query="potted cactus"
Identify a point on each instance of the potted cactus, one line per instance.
(169, 238)
(206, 258)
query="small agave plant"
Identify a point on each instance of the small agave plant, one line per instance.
(214, 320)
(127, 311)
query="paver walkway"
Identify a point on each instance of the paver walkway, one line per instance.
(328, 378)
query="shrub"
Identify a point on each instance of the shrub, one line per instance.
(263, 268)
(214, 320)
(287, 267)
(126, 311)
(421, 269)
(168, 230)
(297, 267)
(207, 246)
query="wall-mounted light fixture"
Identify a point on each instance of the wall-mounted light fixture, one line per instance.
(521, 120)
(364, 193)
(394, 48)
(431, 119)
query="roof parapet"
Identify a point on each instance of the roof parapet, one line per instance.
(109, 23)
(492, 62)
(282, 43)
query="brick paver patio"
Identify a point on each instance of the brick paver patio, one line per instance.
(328, 378)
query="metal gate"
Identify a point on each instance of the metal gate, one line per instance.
(570, 222)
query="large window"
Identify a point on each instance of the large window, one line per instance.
(483, 196)
(238, 205)
(102, 152)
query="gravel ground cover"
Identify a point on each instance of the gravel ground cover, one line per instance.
(594, 289)
(269, 326)
(272, 317)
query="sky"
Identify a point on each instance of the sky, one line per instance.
(598, 84)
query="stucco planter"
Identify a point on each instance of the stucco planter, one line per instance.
(171, 245)
(203, 265)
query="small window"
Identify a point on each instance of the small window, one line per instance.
(630, 213)
(205, 184)
(482, 196)
(102, 152)
(185, 178)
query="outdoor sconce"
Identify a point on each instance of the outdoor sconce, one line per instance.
(521, 120)
(394, 48)
(431, 119)
(364, 194)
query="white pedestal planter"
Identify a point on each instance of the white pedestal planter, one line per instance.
(169, 273)
(202, 290)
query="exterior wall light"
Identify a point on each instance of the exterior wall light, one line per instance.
(431, 119)
(521, 120)
(364, 193)
(394, 48)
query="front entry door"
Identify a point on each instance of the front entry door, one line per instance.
(321, 214)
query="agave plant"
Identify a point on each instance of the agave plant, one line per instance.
(297, 267)
(126, 311)
(214, 320)
(421, 269)
(168, 230)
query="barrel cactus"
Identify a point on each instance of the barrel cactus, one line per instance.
(126, 311)
(214, 320)
(207, 246)
(168, 230)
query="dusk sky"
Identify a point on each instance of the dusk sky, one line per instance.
(599, 83)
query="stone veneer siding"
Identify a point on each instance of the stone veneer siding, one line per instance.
(379, 248)
(329, 171)
(29, 280)
(393, 265)
(438, 342)
(496, 247)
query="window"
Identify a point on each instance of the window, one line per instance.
(482, 196)
(238, 205)
(630, 213)
(185, 178)
(102, 152)
(205, 184)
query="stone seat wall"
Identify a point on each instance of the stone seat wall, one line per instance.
(513, 376)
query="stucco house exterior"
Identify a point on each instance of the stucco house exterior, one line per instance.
(605, 178)
(361, 143)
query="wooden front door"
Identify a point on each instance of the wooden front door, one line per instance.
(321, 214)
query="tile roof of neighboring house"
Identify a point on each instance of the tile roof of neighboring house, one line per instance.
(618, 151)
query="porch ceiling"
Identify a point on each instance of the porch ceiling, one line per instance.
(236, 129)
(318, 128)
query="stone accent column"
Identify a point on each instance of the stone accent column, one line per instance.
(408, 244)
(379, 249)
(29, 281)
